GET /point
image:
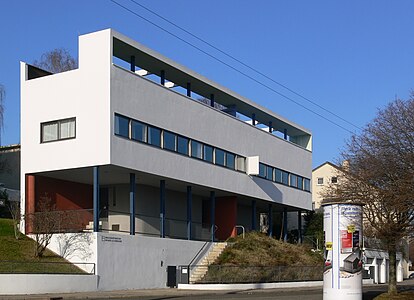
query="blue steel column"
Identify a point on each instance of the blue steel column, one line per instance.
(285, 232)
(212, 213)
(270, 127)
(162, 77)
(270, 217)
(254, 119)
(132, 63)
(132, 204)
(285, 134)
(189, 208)
(253, 215)
(162, 208)
(95, 199)
(212, 100)
(188, 89)
(300, 227)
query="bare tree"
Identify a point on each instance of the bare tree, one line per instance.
(2, 97)
(380, 173)
(45, 222)
(56, 61)
(14, 209)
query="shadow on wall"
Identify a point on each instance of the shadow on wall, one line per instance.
(73, 245)
(269, 188)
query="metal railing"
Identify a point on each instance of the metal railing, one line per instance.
(258, 274)
(58, 221)
(150, 225)
(46, 267)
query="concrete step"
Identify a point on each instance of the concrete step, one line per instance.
(200, 271)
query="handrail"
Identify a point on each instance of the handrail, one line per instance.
(243, 229)
(199, 251)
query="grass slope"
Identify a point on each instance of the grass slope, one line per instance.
(19, 255)
(259, 258)
(257, 249)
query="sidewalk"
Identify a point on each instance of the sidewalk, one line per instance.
(369, 291)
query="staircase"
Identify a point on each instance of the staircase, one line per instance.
(201, 268)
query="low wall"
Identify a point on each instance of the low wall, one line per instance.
(139, 262)
(22, 284)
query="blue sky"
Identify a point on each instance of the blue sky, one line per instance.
(351, 57)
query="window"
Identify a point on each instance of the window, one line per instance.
(208, 153)
(182, 145)
(278, 175)
(170, 141)
(285, 177)
(67, 129)
(300, 182)
(122, 126)
(269, 173)
(241, 164)
(230, 157)
(320, 180)
(138, 131)
(306, 185)
(196, 149)
(293, 180)
(49, 132)
(219, 157)
(154, 136)
(262, 170)
(334, 180)
(58, 130)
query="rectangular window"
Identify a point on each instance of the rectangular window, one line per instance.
(154, 136)
(262, 170)
(122, 126)
(138, 131)
(58, 130)
(269, 173)
(49, 132)
(208, 153)
(182, 145)
(67, 129)
(320, 180)
(293, 180)
(170, 141)
(300, 182)
(196, 149)
(230, 160)
(241, 163)
(334, 180)
(306, 185)
(285, 177)
(278, 175)
(220, 156)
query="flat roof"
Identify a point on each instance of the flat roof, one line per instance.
(152, 61)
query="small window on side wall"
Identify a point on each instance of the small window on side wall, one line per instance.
(122, 126)
(320, 181)
(58, 130)
(334, 180)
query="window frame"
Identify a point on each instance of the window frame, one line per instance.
(145, 127)
(58, 123)
(166, 132)
(317, 181)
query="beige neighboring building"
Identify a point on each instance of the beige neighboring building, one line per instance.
(322, 176)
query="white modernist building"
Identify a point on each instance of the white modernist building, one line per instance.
(125, 150)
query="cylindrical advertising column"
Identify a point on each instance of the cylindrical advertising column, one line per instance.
(342, 277)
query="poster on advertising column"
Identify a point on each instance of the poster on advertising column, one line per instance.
(342, 252)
